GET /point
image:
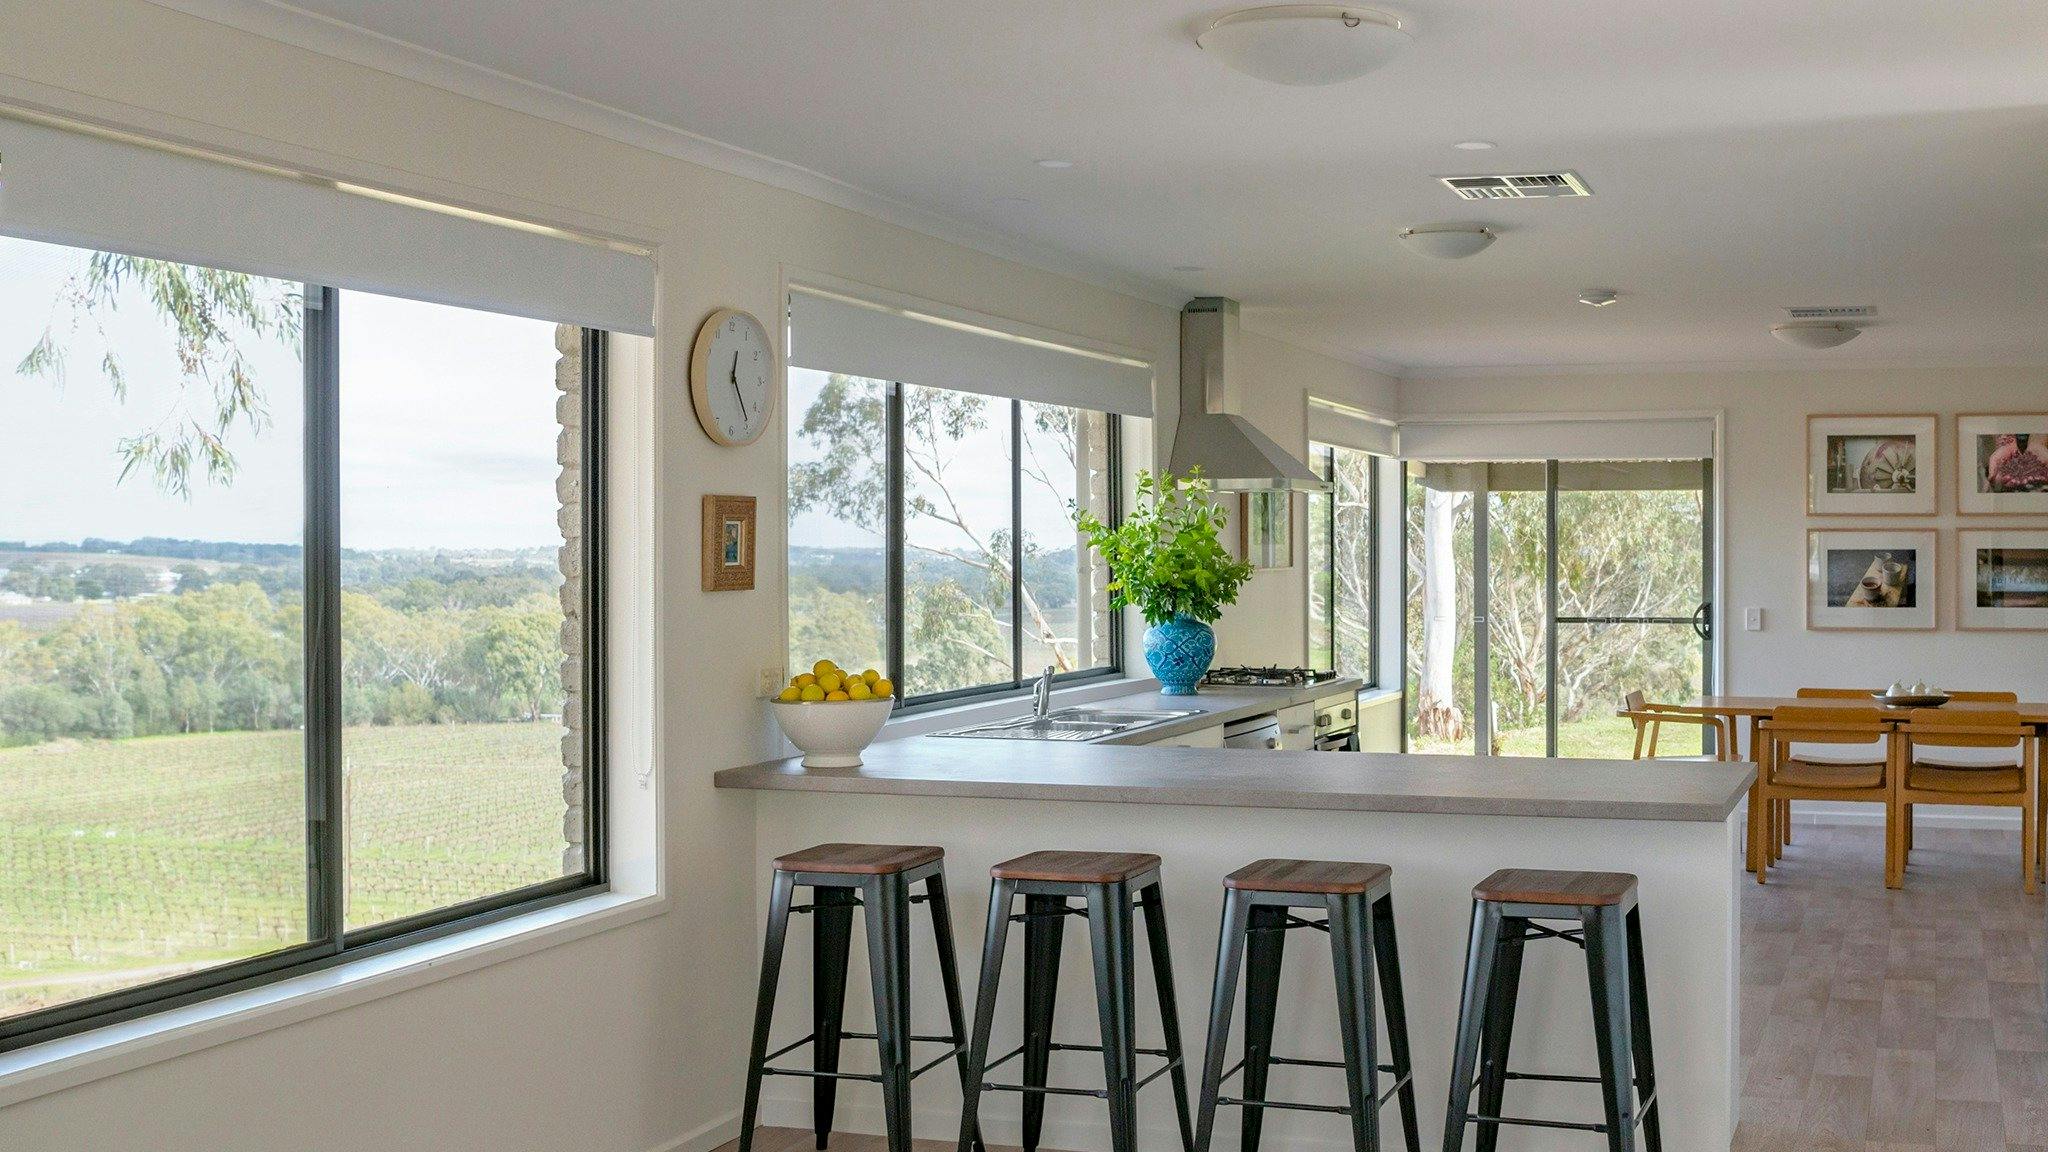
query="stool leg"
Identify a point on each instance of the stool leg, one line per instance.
(1607, 970)
(1497, 1035)
(1267, 947)
(941, 910)
(1001, 894)
(1639, 1033)
(1350, 944)
(764, 1003)
(1109, 927)
(1045, 926)
(1222, 999)
(888, 902)
(832, 916)
(1395, 1005)
(1154, 905)
(1479, 950)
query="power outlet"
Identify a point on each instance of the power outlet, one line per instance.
(768, 683)
(1752, 619)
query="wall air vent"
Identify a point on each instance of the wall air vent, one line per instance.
(1838, 312)
(1525, 186)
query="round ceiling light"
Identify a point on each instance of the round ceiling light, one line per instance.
(1816, 335)
(1304, 44)
(1448, 241)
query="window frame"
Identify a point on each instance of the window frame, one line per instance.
(329, 943)
(894, 548)
(1323, 455)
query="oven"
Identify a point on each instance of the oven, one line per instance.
(1337, 724)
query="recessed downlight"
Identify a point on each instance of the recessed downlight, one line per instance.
(1055, 164)
(1190, 267)
(1473, 145)
(1599, 297)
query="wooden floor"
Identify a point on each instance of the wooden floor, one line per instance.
(1872, 1020)
(1899, 1020)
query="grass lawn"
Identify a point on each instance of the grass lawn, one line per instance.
(129, 860)
(1594, 737)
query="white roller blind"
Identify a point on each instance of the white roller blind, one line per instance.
(88, 191)
(1636, 438)
(829, 332)
(1347, 427)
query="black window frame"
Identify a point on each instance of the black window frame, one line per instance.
(329, 942)
(1322, 458)
(893, 562)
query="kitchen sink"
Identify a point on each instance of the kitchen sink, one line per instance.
(1075, 724)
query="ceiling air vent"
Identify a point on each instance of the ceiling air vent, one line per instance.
(1526, 186)
(1839, 312)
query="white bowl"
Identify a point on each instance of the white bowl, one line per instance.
(832, 733)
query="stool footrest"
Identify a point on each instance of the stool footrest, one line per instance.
(1643, 1105)
(1099, 1093)
(954, 1049)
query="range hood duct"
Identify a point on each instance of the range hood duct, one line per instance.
(1232, 454)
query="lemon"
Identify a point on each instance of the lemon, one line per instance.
(802, 680)
(883, 687)
(870, 676)
(812, 693)
(835, 697)
(823, 666)
(791, 694)
(858, 690)
(831, 682)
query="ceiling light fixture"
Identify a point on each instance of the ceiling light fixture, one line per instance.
(1304, 45)
(1055, 164)
(1823, 334)
(1190, 267)
(1448, 241)
(1598, 297)
(1473, 145)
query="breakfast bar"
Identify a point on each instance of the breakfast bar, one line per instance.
(1442, 823)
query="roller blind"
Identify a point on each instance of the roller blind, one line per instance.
(829, 332)
(1648, 438)
(89, 191)
(1346, 427)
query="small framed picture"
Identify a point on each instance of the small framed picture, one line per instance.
(2004, 580)
(2002, 463)
(728, 543)
(1870, 465)
(1881, 580)
(1265, 529)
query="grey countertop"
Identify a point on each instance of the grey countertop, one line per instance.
(1254, 778)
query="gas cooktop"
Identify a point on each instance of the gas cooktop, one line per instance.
(1268, 677)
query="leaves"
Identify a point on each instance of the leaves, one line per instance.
(1166, 557)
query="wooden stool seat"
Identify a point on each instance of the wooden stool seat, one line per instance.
(1544, 886)
(1077, 867)
(860, 859)
(1309, 877)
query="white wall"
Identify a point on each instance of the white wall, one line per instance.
(1763, 468)
(630, 1040)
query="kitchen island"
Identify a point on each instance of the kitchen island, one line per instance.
(1441, 822)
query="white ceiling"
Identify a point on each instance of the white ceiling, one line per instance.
(1745, 155)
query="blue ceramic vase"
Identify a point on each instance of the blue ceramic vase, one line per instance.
(1178, 652)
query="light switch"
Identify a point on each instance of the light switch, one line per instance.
(1752, 619)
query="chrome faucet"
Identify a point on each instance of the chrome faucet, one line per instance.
(1041, 695)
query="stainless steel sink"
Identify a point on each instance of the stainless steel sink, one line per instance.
(1076, 724)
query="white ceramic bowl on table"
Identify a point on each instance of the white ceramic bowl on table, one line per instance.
(832, 733)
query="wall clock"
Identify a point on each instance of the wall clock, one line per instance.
(732, 377)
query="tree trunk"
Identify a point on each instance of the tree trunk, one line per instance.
(1437, 716)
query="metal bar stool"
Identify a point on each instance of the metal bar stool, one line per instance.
(876, 878)
(1258, 908)
(1105, 882)
(1506, 908)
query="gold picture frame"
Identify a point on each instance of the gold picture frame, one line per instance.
(728, 543)
(1980, 494)
(2013, 597)
(1863, 465)
(1872, 580)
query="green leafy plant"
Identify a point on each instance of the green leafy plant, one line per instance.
(1165, 557)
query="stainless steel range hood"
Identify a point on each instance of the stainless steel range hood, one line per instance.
(1232, 454)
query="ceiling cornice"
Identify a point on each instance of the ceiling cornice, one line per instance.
(1423, 375)
(329, 37)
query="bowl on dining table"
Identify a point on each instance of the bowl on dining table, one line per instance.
(1911, 699)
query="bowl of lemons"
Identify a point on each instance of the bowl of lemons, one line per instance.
(832, 715)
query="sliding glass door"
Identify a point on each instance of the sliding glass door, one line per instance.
(1541, 592)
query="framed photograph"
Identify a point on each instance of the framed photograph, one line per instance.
(2004, 580)
(2001, 463)
(1265, 529)
(728, 543)
(1870, 465)
(1881, 580)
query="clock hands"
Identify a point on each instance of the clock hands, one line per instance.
(736, 386)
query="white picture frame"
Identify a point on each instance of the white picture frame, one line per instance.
(1878, 465)
(1987, 487)
(2002, 580)
(1877, 580)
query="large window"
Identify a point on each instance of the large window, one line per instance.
(931, 535)
(297, 652)
(1343, 563)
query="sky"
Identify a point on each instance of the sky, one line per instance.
(448, 425)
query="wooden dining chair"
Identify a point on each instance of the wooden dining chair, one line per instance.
(1861, 694)
(1806, 756)
(1936, 765)
(1649, 720)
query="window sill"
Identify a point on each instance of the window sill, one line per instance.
(69, 1061)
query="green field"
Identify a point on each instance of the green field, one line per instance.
(128, 860)
(1596, 737)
